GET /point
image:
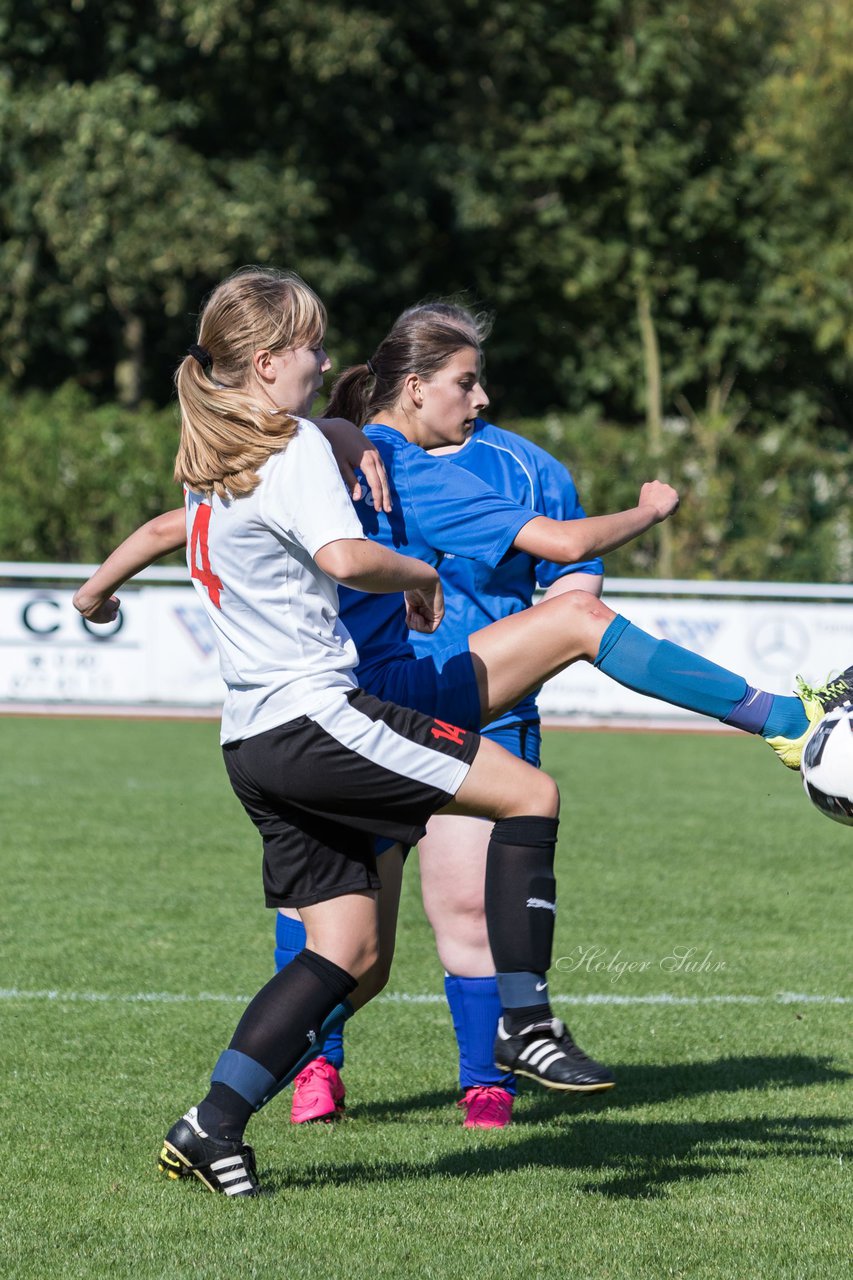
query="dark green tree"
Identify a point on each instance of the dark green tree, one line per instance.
(654, 198)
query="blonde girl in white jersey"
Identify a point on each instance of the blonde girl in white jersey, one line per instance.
(320, 766)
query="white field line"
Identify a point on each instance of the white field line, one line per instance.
(403, 997)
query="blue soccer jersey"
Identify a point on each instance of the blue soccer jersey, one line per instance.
(438, 509)
(476, 593)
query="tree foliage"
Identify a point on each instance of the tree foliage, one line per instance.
(78, 476)
(654, 198)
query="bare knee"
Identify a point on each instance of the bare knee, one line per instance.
(357, 957)
(373, 980)
(462, 940)
(345, 931)
(366, 959)
(583, 604)
(499, 785)
(585, 616)
(539, 797)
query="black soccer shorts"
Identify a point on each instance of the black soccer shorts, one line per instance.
(319, 788)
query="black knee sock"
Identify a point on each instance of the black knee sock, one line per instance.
(520, 912)
(284, 1017)
(223, 1113)
(298, 998)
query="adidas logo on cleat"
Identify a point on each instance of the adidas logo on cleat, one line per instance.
(232, 1175)
(545, 1051)
(222, 1164)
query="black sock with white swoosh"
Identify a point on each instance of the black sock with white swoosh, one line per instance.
(520, 912)
(283, 1019)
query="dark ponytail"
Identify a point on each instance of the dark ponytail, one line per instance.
(351, 395)
(422, 340)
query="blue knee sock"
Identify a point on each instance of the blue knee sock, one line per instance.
(666, 671)
(476, 1006)
(289, 941)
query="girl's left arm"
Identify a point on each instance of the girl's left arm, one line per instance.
(152, 540)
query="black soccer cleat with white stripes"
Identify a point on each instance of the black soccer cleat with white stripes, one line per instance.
(221, 1164)
(545, 1051)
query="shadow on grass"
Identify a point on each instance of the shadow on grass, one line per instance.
(624, 1159)
(639, 1084)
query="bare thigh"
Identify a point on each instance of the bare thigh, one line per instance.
(499, 785)
(513, 657)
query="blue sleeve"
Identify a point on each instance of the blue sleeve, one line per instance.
(458, 513)
(558, 499)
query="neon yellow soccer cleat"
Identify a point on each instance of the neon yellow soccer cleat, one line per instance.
(816, 703)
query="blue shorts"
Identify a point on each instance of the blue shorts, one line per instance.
(442, 685)
(522, 740)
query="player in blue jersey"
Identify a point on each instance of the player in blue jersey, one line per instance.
(453, 852)
(421, 390)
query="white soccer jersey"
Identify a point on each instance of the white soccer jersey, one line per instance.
(283, 652)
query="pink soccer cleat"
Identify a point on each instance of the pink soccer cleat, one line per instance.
(486, 1107)
(318, 1093)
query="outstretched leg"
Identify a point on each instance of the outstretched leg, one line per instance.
(513, 657)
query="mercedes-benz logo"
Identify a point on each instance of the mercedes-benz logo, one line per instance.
(780, 644)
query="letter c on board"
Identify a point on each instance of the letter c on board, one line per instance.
(31, 622)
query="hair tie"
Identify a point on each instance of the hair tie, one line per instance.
(370, 368)
(201, 354)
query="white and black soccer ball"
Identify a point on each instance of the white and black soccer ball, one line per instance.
(827, 765)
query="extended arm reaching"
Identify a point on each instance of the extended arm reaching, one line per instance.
(566, 541)
(150, 542)
(356, 563)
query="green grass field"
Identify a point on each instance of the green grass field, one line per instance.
(131, 886)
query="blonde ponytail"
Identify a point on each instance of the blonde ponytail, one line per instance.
(227, 432)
